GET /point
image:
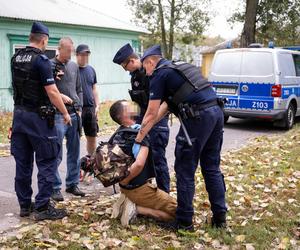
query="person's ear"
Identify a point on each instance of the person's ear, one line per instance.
(151, 62)
(44, 41)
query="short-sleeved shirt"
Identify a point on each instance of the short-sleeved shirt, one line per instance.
(139, 81)
(125, 140)
(43, 65)
(166, 81)
(88, 79)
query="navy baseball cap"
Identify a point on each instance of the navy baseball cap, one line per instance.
(38, 27)
(154, 50)
(81, 48)
(123, 53)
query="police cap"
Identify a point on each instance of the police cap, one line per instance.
(38, 27)
(154, 50)
(123, 53)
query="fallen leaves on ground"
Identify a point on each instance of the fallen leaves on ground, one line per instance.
(263, 183)
(4, 152)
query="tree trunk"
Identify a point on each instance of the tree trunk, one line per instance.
(163, 30)
(171, 36)
(248, 34)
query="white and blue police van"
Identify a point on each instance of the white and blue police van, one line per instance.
(261, 83)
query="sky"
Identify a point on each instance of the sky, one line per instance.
(220, 11)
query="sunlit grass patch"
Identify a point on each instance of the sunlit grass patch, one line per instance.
(5, 124)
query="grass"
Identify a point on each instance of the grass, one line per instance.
(263, 197)
(5, 124)
(104, 120)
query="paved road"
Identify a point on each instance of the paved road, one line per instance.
(236, 134)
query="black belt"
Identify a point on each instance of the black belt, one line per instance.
(199, 107)
(70, 109)
(27, 109)
(131, 187)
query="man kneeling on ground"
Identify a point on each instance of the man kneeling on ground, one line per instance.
(138, 195)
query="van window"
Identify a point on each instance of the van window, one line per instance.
(286, 64)
(257, 64)
(297, 64)
(227, 63)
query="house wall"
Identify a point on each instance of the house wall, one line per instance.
(206, 63)
(113, 80)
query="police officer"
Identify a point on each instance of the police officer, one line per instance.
(139, 93)
(33, 128)
(197, 105)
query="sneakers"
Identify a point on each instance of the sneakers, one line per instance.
(75, 191)
(26, 211)
(51, 213)
(129, 212)
(176, 225)
(56, 195)
(219, 221)
(118, 207)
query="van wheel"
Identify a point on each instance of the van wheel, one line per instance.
(226, 117)
(289, 118)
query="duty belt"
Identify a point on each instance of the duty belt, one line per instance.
(193, 110)
(199, 107)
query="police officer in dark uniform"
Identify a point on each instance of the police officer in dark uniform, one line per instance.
(139, 93)
(180, 88)
(33, 131)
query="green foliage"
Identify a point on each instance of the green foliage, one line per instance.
(277, 21)
(187, 18)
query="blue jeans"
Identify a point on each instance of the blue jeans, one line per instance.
(73, 148)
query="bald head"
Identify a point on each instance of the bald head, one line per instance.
(65, 49)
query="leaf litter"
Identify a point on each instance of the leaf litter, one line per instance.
(262, 181)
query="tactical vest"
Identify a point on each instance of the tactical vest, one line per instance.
(139, 92)
(194, 82)
(27, 86)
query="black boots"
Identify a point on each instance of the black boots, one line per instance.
(26, 211)
(219, 220)
(49, 213)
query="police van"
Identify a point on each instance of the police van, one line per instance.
(259, 83)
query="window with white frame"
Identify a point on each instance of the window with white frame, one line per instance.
(50, 52)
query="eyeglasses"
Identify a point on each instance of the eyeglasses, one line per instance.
(124, 65)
